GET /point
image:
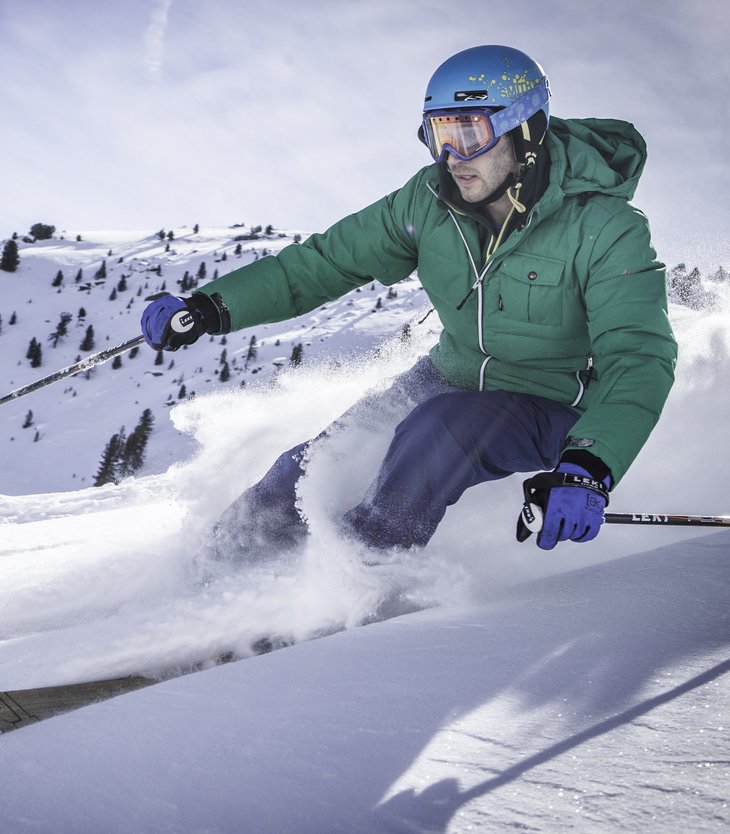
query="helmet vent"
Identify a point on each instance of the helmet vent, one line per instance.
(471, 95)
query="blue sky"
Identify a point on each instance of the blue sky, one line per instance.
(160, 113)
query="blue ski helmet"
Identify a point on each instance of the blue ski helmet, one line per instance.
(489, 76)
(507, 85)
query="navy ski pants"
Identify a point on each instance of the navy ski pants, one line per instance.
(446, 440)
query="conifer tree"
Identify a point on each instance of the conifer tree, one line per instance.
(34, 353)
(58, 280)
(61, 329)
(88, 341)
(28, 420)
(136, 444)
(42, 231)
(252, 352)
(10, 259)
(296, 355)
(111, 460)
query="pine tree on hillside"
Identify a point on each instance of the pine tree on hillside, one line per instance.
(10, 259)
(58, 280)
(136, 444)
(42, 231)
(28, 420)
(34, 353)
(251, 353)
(88, 341)
(100, 274)
(109, 471)
(122, 455)
(296, 355)
(61, 329)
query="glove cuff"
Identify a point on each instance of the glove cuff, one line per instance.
(212, 312)
(593, 465)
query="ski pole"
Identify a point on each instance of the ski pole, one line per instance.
(671, 520)
(82, 365)
(532, 518)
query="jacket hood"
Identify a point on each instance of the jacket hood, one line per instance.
(600, 155)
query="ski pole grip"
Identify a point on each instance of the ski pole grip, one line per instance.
(530, 521)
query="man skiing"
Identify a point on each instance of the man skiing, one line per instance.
(556, 351)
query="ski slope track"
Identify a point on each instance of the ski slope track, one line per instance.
(477, 685)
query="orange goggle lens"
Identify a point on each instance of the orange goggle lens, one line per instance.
(465, 133)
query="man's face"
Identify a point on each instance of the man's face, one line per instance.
(479, 177)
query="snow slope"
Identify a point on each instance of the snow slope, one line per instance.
(73, 420)
(592, 701)
(582, 690)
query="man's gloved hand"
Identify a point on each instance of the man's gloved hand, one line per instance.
(565, 504)
(170, 322)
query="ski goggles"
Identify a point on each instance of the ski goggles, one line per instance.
(463, 133)
(472, 131)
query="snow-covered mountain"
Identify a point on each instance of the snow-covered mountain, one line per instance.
(60, 444)
(582, 690)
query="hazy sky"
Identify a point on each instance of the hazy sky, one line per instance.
(142, 114)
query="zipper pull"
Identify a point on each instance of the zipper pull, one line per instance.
(500, 306)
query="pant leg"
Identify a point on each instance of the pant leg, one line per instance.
(264, 520)
(444, 446)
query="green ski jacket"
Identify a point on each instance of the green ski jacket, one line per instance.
(571, 305)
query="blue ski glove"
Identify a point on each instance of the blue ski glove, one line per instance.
(565, 504)
(170, 322)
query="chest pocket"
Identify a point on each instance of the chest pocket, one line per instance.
(531, 289)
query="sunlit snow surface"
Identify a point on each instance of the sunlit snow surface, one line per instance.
(580, 690)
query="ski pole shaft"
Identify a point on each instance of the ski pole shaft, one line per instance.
(78, 367)
(532, 517)
(671, 520)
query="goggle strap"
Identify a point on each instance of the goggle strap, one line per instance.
(521, 109)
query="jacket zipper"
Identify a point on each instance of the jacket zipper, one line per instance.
(582, 386)
(477, 285)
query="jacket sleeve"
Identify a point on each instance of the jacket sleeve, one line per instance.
(370, 244)
(633, 347)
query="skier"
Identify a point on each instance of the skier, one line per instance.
(556, 351)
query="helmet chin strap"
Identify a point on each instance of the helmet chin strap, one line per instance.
(510, 180)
